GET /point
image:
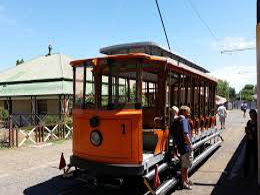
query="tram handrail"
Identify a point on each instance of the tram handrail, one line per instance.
(201, 157)
(195, 146)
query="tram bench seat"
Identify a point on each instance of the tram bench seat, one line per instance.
(150, 140)
(149, 114)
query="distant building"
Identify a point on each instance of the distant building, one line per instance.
(37, 87)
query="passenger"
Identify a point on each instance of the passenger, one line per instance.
(244, 107)
(222, 113)
(251, 142)
(184, 144)
(174, 115)
(174, 112)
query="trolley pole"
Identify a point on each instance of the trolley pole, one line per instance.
(258, 85)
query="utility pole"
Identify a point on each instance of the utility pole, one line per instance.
(228, 93)
(258, 85)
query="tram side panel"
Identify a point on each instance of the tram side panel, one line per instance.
(120, 131)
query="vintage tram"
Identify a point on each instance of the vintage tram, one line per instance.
(121, 113)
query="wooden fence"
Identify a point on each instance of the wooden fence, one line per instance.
(23, 120)
(18, 136)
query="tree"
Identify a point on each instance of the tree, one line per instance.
(18, 62)
(222, 88)
(232, 93)
(247, 92)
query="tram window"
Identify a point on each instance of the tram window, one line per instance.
(104, 91)
(145, 94)
(122, 86)
(148, 98)
(132, 91)
(90, 89)
(79, 87)
(149, 92)
(122, 90)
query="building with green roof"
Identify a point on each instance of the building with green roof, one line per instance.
(40, 86)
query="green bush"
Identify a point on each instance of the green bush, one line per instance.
(68, 120)
(4, 115)
(49, 120)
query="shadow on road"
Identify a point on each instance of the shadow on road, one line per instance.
(70, 186)
(56, 185)
(232, 180)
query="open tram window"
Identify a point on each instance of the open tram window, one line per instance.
(79, 77)
(132, 91)
(118, 88)
(174, 89)
(104, 91)
(84, 94)
(149, 94)
(90, 88)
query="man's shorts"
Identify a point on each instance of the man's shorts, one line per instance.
(186, 159)
(222, 119)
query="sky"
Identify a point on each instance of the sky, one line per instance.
(197, 29)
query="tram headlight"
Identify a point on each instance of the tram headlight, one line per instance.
(96, 138)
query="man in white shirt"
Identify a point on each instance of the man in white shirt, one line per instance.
(222, 113)
(244, 107)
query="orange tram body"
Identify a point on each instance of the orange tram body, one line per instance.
(121, 114)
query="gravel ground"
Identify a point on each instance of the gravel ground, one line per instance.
(27, 166)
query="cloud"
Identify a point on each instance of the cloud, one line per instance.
(233, 43)
(237, 75)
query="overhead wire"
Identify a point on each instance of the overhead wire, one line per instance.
(164, 29)
(237, 50)
(202, 20)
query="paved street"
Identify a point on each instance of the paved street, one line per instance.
(34, 170)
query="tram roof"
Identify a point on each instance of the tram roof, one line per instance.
(150, 48)
(148, 59)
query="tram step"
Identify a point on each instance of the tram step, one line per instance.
(166, 186)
